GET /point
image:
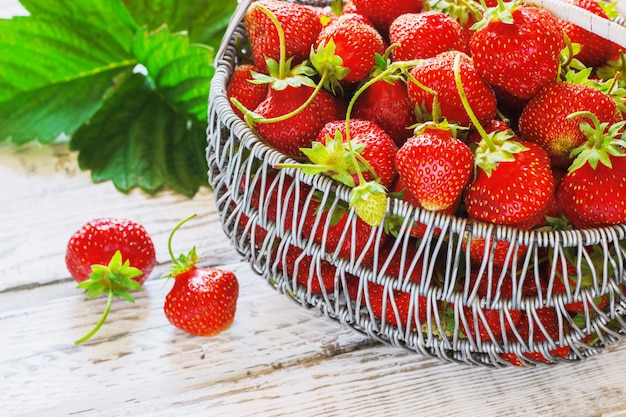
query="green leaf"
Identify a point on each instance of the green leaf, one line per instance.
(204, 20)
(181, 71)
(44, 56)
(137, 140)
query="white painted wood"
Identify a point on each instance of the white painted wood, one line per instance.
(277, 359)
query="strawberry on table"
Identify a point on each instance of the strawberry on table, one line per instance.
(203, 300)
(110, 256)
(517, 47)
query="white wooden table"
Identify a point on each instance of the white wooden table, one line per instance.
(277, 359)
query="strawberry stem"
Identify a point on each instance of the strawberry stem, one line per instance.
(169, 239)
(281, 39)
(459, 86)
(103, 318)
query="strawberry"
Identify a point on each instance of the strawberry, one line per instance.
(594, 50)
(435, 166)
(424, 35)
(503, 254)
(290, 134)
(487, 322)
(593, 192)
(418, 229)
(317, 278)
(383, 12)
(112, 256)
(241, 87)
(436, 75)
(517, 47)
(395, 306)
(543, 324)
(355, 42)
(203, 300)
(401, 262)
(545, 120)
(516, 192)
(377, 149)
(386, 103)
(301, 26)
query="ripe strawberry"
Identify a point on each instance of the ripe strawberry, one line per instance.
(386, 103)
(594, 50)
(503, 254)
(545, 120)
(301, 26)
(517, 191)
(375, 147)
(549, 329)
(593, 192)
(292, 134)
(240, 86)
(317, 278)
(355, 42)
(517, 47)
(424, 35)
(394, 305)
(393, 224)
(402, 262)
(383, 12)
(435, 166)
(436, 74)
(494, 321)
(202, 301)
(112, 256)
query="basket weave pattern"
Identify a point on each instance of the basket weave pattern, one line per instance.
(268, 214)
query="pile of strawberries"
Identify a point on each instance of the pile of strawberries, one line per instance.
(496, 111)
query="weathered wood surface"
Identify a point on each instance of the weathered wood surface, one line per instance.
(277, 359)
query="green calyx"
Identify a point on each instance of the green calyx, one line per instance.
(184, 262)
(116, 280)
(333, 159)
(603, 141)
(369, 201)
(503, 12)
(326, 63)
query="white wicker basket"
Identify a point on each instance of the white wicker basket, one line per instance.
(238, 156)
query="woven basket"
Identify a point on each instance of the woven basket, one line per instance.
(443, 304)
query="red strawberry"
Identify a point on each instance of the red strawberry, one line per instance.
(399, 262)
(435, 166)
(202, 301)
(517, 191)
(377, 149)
(386, 103)
(383, 12)
(437, 75)
(394, 305)
(241, 87)
(549, 327)
(424, 35)
(545, 120)
(112, 256)
(593, 192)
(299, 131)
(502, 255)
(301, 26)
(355, 42)
(517, 47)
(594, 50)
(498, 322)
(307, 273)
(419, 229)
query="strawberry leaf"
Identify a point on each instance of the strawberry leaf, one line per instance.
(136, 140)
